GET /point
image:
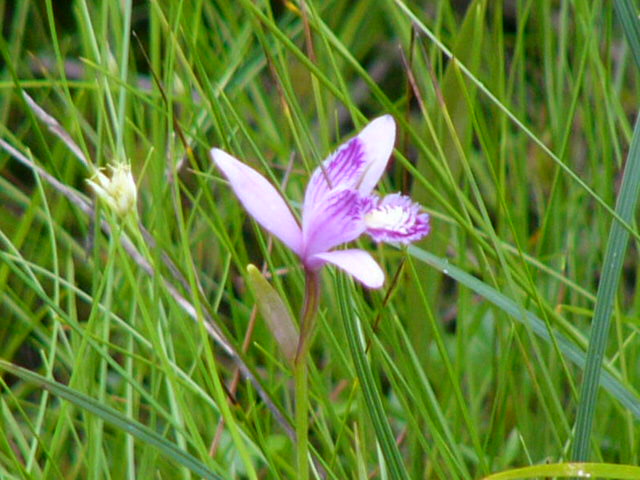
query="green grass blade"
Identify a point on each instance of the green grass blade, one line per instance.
(627, 14)
(115, 418)
(371, 393)
(610, 383)
(605, 299)
(612, 264)
(519, 123)
(580, 470)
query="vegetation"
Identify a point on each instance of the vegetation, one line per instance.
(131, 342)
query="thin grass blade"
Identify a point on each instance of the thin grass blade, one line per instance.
(115, 418)
(612, 264)
(627, 14)
(622, 393)
(372, 397)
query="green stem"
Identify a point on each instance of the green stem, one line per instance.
(300, 372)
(302, 420)
(309, 311)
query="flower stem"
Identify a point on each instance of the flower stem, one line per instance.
(309, 311)
(307, 322)
(302, 420)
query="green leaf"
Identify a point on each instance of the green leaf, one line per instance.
(275, 312)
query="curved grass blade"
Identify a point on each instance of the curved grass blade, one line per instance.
(579, 470)
(623, 394)
(115, 418)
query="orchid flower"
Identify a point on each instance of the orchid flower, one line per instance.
(339, 205)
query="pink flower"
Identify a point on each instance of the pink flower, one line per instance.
(338, 205)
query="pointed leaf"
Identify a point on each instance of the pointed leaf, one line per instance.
(275, 312)
(373, 399)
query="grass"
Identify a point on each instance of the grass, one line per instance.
(133, 348)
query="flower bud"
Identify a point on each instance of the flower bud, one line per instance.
(119, 191)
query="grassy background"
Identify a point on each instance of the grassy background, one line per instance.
(516, 148)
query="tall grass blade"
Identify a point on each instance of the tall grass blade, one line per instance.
(115, 418)
(627, 14)
(611, 267)
(371, 393)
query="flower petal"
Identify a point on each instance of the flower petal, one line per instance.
(342, 169)
(260, 199)
(357, 163)
(337, 218)
(396, 219)
(356, 263)
(378, 138)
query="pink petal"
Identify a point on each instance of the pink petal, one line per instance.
(335, 219)
(260, 199)
(396, 219)
(378, 138)
(356, 263)
(357, 163)
(343, 169)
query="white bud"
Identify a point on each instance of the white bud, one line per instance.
(119, 191)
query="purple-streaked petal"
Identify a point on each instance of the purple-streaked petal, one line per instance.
(397, 219)
(357, 163)
(356, 263)
(378, 138)
(260, 199)
(337, 218)
(342, 170)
